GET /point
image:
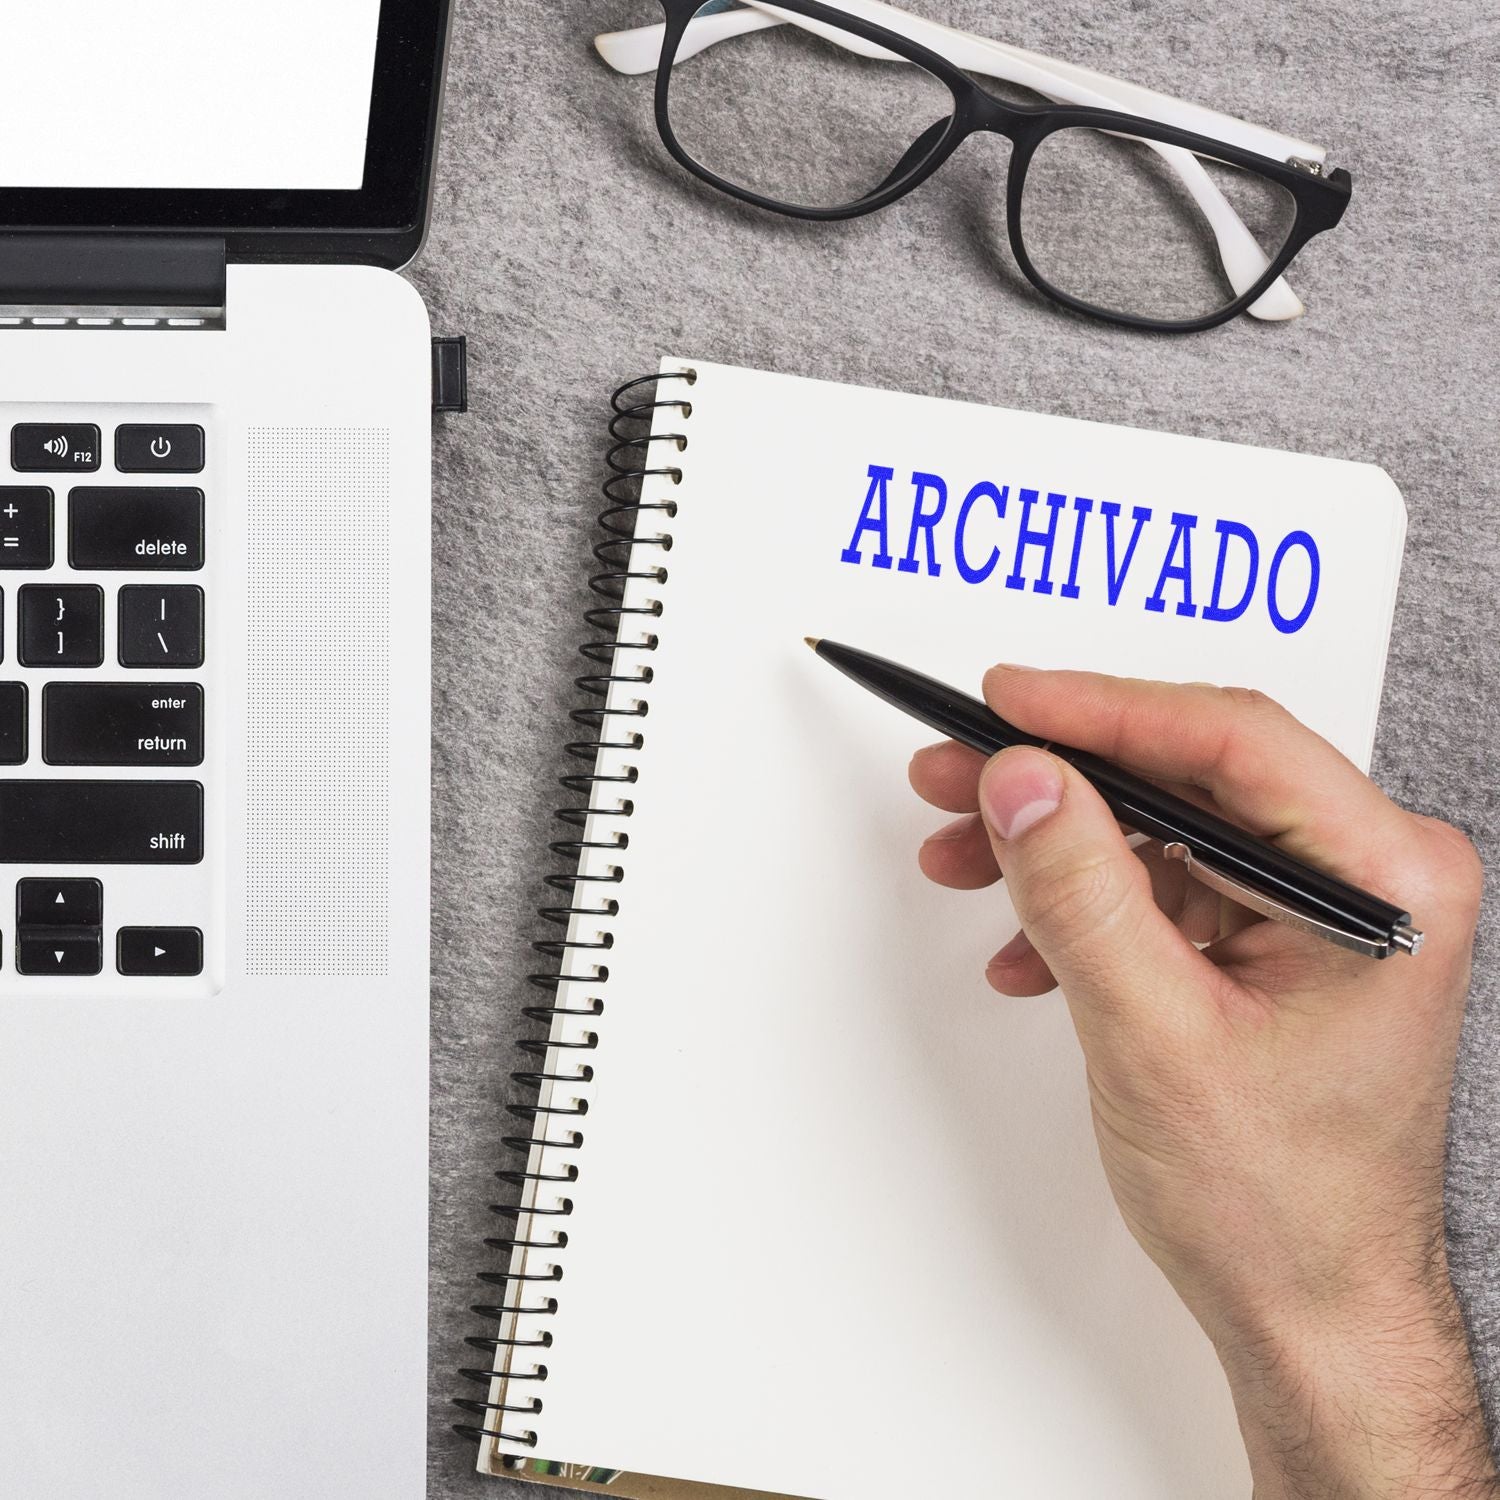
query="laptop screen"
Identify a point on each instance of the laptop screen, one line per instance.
(294, 129)
(186, 93)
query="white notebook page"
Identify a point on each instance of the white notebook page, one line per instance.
(839, 1220)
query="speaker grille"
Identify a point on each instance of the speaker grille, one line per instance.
(318, 770)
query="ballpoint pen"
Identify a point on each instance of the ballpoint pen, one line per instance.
(1235, 863)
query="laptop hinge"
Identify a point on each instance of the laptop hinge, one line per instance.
(111, 280)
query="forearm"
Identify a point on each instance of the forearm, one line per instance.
(1383, 1408)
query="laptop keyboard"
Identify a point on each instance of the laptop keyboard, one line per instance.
(108, 779)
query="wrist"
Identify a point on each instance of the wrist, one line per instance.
(1374, 1399)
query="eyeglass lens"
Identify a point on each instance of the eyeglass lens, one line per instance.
(787, 115)
(1130, 225)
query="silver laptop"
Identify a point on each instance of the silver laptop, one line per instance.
(215, 408)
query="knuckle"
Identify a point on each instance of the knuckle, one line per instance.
(1255, 713)
(1074, 897)
(1462, 870)
(1250, 698)
(1242, 759)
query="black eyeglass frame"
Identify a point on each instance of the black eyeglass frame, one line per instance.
(1319, 200)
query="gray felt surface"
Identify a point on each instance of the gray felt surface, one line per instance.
(573, 253)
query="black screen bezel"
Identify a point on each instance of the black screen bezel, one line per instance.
(379, 223)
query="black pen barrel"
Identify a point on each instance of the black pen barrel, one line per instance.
(1242, 856)
(945, 709)
(1137, 803)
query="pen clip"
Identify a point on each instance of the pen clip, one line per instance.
(1268, 906)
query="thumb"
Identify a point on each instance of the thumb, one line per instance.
(1085, 900)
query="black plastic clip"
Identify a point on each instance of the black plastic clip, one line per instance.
(450, 374)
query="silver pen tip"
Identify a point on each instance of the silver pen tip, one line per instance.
(1406, 938)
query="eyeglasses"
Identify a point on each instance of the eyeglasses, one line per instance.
(1121, 203)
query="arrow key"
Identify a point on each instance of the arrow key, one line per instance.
(59, 903)
(57, 950)
(159, 951)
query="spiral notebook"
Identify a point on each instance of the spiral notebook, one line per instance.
(805, 1209)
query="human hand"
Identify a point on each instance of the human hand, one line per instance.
(1270, 1110)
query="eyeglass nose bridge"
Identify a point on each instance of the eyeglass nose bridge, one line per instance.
(976, 111)
(981, 112)
(973, 113)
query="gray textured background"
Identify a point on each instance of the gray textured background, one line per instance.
(573, 254)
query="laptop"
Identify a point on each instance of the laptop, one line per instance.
(215, 440)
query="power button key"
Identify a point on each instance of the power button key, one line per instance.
(154, 448)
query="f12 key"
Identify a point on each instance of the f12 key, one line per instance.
(52, 447)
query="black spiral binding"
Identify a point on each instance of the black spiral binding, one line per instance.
(631, 461)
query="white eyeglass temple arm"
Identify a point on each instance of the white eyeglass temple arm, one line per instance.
(638, 51)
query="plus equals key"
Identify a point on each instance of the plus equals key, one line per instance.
(25, 526)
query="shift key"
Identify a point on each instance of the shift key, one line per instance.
(137, 528)
(101, 822)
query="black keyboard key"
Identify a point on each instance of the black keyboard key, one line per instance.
(159, 449)
(25, 526)
(62, 950)
(52, 447)
(61, 625)
(135, 529)
(101, 822)
(59, 903)
(13, 725)
(159, 950)
(161, 626)
(122, 724)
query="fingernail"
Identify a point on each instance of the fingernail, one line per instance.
(954, 830)
(1013, 952)
(1019, 788)
(1012, 666)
